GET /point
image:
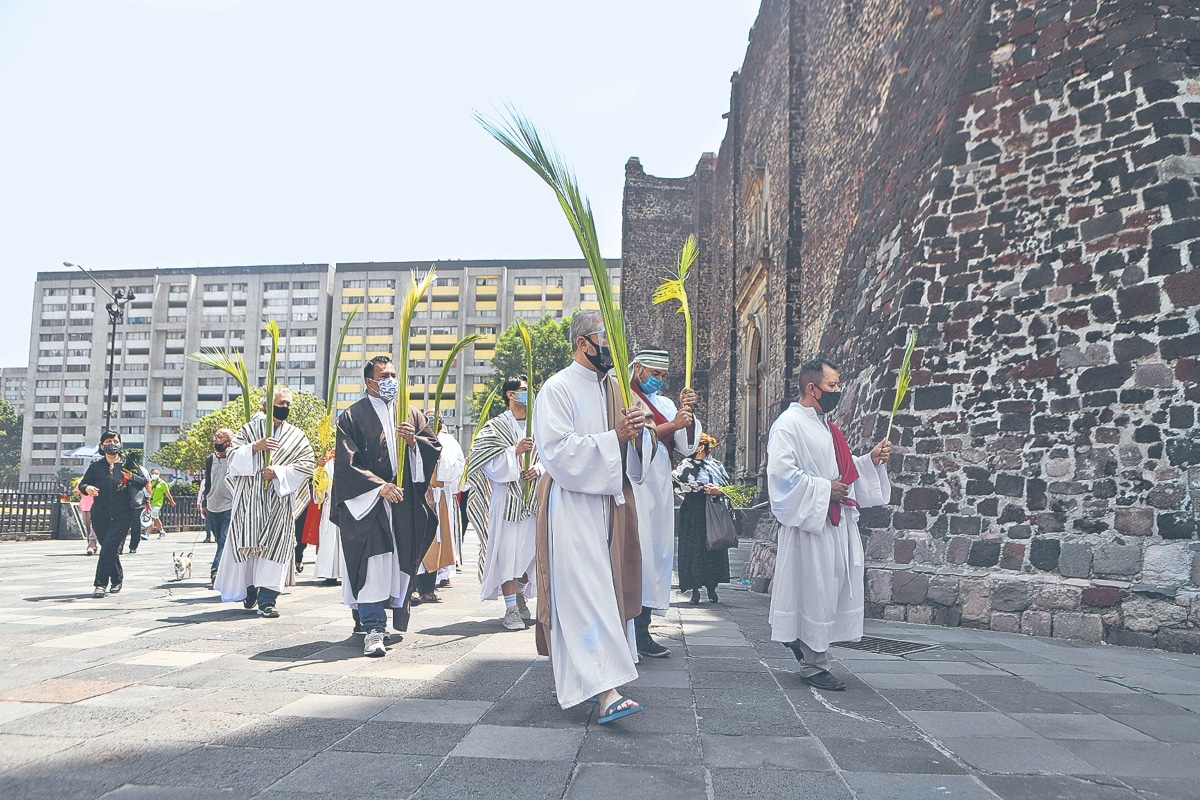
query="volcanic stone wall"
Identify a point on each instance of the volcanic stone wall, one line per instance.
(1019, 182)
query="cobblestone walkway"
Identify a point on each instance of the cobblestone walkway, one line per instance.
(163, 692)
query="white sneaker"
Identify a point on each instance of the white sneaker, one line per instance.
(513, 621)
(374, 645)
(523, 608)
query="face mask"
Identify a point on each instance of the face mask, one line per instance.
(220, 447)
(154, 476)
(602, 359)
(523, 397)
(281, 412)
(828, 401)
(388, 389)
(652, 384)
(112, 448)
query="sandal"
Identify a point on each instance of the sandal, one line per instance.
(430, 597)
(611, 713)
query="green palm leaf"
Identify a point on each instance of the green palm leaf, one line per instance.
(416, 290)
(527, 343)
(458, 347)
(674, 289)
(903, 378)
(272, 329)
(233, 365)
(521, 138)
(337, 361)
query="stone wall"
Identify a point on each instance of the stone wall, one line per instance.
(1019, 181)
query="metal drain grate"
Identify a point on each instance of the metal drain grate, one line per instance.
(887, 647)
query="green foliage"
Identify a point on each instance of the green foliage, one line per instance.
(551, 353)
(903, 379)
(11, 426)
(188, 452)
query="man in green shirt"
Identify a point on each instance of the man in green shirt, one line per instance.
(159, 491)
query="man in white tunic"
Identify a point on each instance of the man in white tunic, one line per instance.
(816, 488)
(497, 470)
(329, 545)
(591, 590)
(443, 555)
(677, 430)
(259, 548)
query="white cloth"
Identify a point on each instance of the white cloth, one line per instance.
(384, 580)
(451, 466)
(592, 648)
(655, 500)
(512, 546)
(817, 593)
(244, 462)
(233, 577)
(329, 547)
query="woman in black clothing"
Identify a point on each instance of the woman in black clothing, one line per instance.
(698, 478)
(115, 490)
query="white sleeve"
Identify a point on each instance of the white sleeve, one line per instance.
(504, 468)
(873, 488)
(243, 462)
(287, 480)
(798, 499)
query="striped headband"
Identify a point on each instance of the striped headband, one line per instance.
(653, 359)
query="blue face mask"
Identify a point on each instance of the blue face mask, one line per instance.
(652, 384)
(388, 389)
(523, 397)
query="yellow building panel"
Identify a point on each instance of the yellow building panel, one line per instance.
(446, 291)
(554, 305)
(590, 305)
(485, 305)
(352, 340)
(447, 339)
(348, 307)
(527, 291)
(348, 387)
(342, 405)
(528, 305)
(378, 340)
(381, 291)
(448, 305)
(486, 340)
(381, 307)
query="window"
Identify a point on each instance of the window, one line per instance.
(176, 334)
(384, 331)
(485, 329)
(302, 348)
(443, 314)
(84, 291)
(177, 288)
(134, 381)
(129, 429)
(74, 430)
(79, 368)
(76, 383)
(210, 381)
(142, 289)
(264, 335)
(79, 337)
(306, 285)
(141, 336)
(382, 283)
(82, 307)
(45, 415)
(275, 301)
(415, 380)
(239, 287)
(353, 284)
(527, 281)
(442, 331)
(212, 334)
(305, 301)
(378, 315)
(297, 332)
(215, 287)
(47, 384)
(446, 282)
(44, 430)
(52, 337)
(275, 286)
(348, 395)
(172, 381)
(485, 281)
(54, 292)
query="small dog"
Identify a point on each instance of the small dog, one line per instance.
(183, 565)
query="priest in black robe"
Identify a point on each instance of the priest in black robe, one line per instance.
(386, 529)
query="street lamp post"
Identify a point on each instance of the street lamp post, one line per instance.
(118, 299)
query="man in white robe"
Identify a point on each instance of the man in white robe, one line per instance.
(259, 548)
(443, 554)
(498, 457)
(585, 625)
(677, 430)
(329, 546)
(816, 488)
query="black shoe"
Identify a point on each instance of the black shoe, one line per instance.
(299, 566)
(651, 649)
(251, 598)
(695, 601)
(116, 587)
(712, 595)
(209, 541)
(331, 582)
(824, 680)
(268, 611)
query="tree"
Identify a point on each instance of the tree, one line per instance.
(189, 451)
(11, 431)
(551, 353)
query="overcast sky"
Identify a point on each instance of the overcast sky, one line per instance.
(168, 133)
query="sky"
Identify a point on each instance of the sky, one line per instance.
(176, 133)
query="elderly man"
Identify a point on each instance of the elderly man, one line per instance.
(216, 499)
(588, 557)
(385, 527)
(258, 552)
(816, 487)
(498, 473)
(676, 430)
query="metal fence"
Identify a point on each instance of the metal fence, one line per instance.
(29, 512)
(32, 487)
(183, 516)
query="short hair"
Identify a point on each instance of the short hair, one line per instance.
(585, 322)
(512, 384)
(369, 367)
(280, 389)
(109, 434)
(227, 431)
(813, 370)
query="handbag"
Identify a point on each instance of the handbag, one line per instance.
(719, 530)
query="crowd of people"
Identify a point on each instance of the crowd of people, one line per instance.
(579, 516)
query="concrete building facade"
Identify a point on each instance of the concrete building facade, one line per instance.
(14, 381)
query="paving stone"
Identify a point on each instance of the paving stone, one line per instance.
(1164, 727)
(784, 752)
(876, 786)
(1042, 787)
(338, 773)
(934, 700)
(291, 733)
(1126, 703)
(761, 784)
(894, 755)
(1140, 759)
(606, 781)
(953, 724)
(1018, 756)
(335, 706)
(1078, 726)
(536, 744)
(496, 779)
(1031, 702)
(602, 745)
(541, 712)
(411, 709)
(227, 767)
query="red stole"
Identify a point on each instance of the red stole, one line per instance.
(846, 471)
(659, 419)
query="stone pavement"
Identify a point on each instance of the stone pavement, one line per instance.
(163, 692)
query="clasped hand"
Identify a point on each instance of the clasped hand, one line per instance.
(524, 446)
(391, 492)
(266, 443)
(408, 433)
(630, 425)
(882, 452)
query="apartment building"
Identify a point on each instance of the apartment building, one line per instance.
(483, 297)
(155, 387)
(14, 382)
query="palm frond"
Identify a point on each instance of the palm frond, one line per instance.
(272, 329)
(416, 290)
(233, 365)
(337, 360)
(522, 139)
(903, 378)
(527, 344)
(674, 288)
(458, 347)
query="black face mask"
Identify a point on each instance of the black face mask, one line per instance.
(281, 412)
(602, 358)
(220, 447)
(828, 401)
(112, 449)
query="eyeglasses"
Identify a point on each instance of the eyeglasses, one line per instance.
(601, 336)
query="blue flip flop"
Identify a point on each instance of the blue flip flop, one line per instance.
(593, 699)
(610, 715)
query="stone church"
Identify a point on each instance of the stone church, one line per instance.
(1019, 182)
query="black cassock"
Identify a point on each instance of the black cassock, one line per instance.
(362, 463)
